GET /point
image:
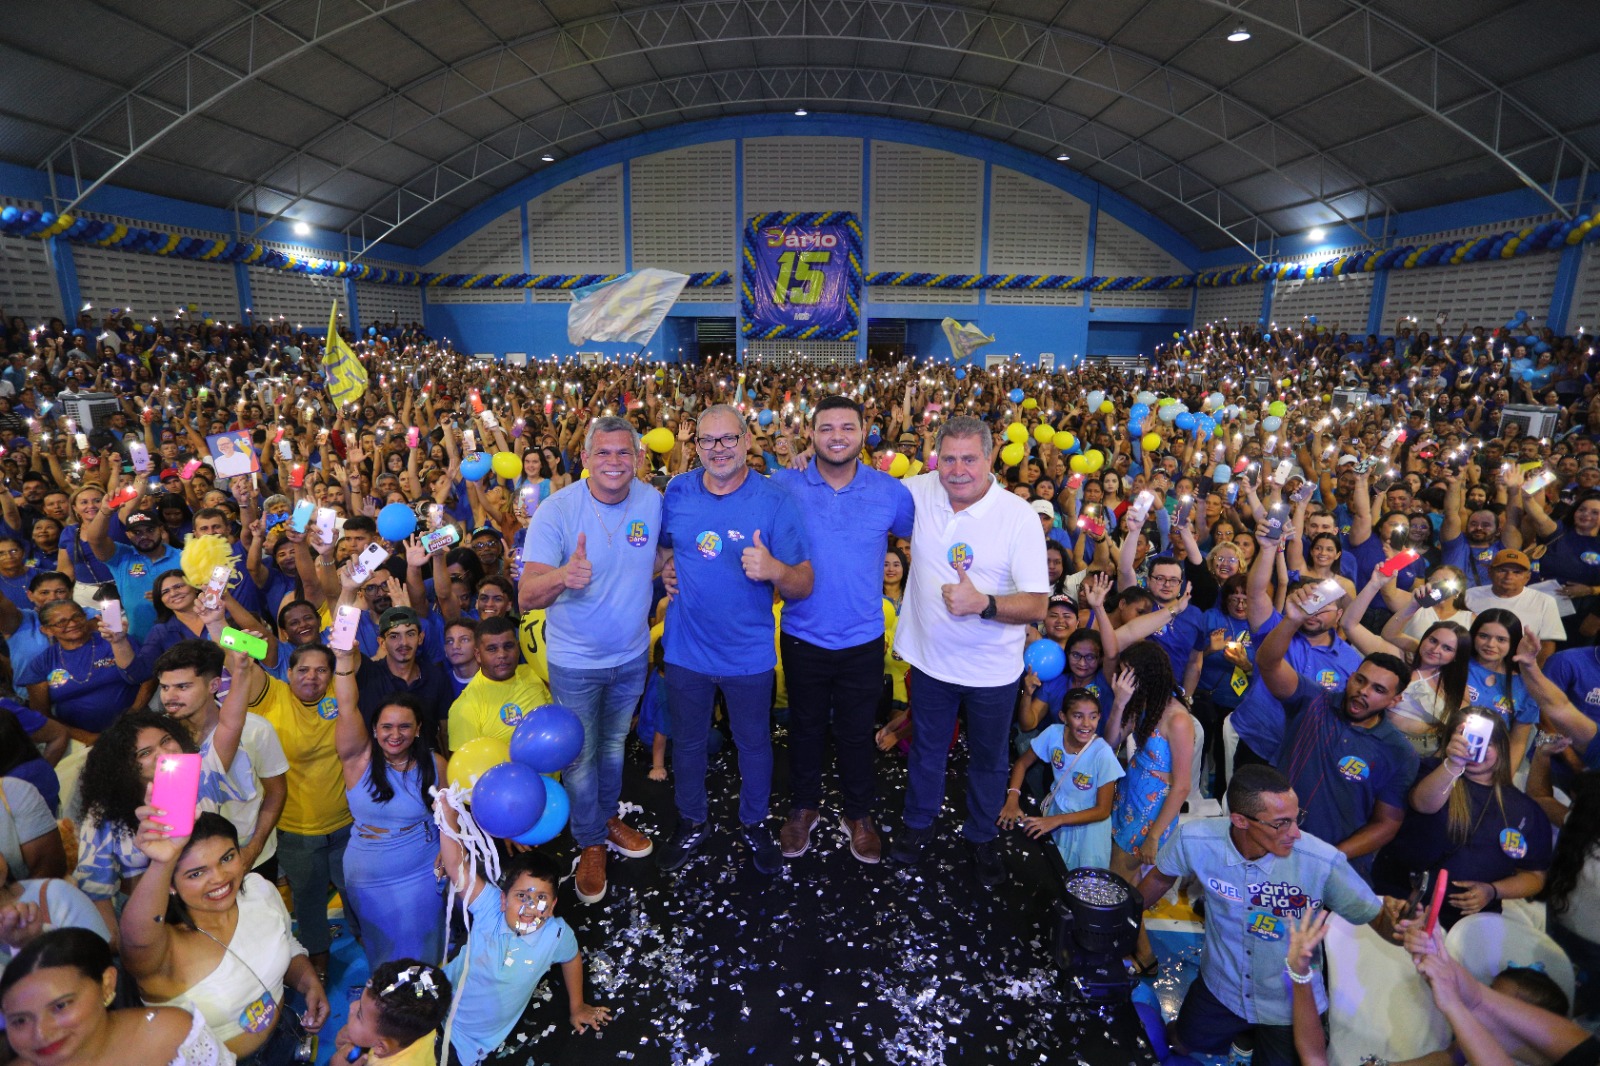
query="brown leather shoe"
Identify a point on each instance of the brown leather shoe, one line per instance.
(590, 880)
(865, 844)
(795, 836)
(627, 841)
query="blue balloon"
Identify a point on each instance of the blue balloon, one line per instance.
(8, 215)
(396, 522)
(1045, 658)
(508, 800)
(1530, 339)
(557, 808)
(1540, 348)
(476, 466)
(874, 438)
(548, 739)
(977, 390)
(1016, 395)
(765, 418)
(961, 371)
(372, 331)
(1138, 412)
(1184, 421)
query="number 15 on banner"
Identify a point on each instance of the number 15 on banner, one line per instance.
(804, 268)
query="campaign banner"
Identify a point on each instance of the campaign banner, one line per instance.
(801, 276)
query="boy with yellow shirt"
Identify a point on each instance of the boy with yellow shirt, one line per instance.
(315, 825)
(504, 690)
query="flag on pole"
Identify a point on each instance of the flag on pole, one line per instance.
(964, 340)
(628, 309)
(347, 378)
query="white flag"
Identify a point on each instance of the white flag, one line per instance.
(628, 309)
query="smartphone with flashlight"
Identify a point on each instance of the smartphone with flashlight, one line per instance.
(175, 791)
(1398, 562)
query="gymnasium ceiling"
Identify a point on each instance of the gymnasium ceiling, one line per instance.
(389, 118)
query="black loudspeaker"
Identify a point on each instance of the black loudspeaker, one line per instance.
(1096, 927)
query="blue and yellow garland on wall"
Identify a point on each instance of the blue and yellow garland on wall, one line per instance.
(1551, 236)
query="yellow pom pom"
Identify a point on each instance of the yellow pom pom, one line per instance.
(202, 555)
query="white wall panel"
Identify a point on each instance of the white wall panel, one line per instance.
(682, 209)
(1340, 304)
(27, 280)
(300, 298)
(926, 214)
(1035, 228)
(494, 249)
(388, 303)
(1236, 303)
(156, 286)
(802, 174)
(1489, 292)
(1586, 299)
(1120, 250)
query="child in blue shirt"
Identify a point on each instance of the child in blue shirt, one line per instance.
(1077, 812)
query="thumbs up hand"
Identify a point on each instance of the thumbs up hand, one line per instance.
(963, 597)
(758, 563)
(579, 571)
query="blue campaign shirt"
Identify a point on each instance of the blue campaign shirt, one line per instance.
(721, 622)
(849, 529)
(1053, 692)
(1369, 553)
(1250, 904)
(15, 589)
(1217, 679)
(88, 690)
(1474, 562)
(1571, 558)
(1341, 771)
(1259, 716)
(1576, 672)
(135, 575)
(606, 624)
(1504, 692)
(1177, 638)
(85, 565)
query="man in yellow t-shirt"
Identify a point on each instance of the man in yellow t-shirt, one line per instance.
(502, 693)
(315, 825)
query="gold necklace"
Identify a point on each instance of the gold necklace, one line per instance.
(612, 532)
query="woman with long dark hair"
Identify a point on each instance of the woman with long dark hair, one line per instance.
(1493, 678)
(57, 995)
(1149, 707)
(389, 865)
(1467, 817)
(1572, 887)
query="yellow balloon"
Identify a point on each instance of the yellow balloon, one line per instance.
(584, 474)
(1043, 433)
(1151, 441)
(1096, 460)
(1063, 440)
(1016, 432)
(1106, 407)
(1013, 453)
(1029, 403)
(507, 464)
(1079, 464)
(899, 465)
(659, 440)
(474, 757)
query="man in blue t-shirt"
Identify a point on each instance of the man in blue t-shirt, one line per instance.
(832, 641)
(1349, 766)
(135, 565)
(736, 539)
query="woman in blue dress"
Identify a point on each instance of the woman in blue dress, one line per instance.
(1148, 706)
(389, 865)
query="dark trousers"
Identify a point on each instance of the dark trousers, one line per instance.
(989, 710)
(1205, 1026)
(837, 689)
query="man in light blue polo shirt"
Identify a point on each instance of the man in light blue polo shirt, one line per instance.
(736, 538)
(832, 641)
(135, 565)
(588, 561)
(1259, 873)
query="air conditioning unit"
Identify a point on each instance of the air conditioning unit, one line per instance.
(91, 410)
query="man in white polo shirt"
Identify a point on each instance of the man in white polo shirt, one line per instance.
(978, 576)
(1508, 588)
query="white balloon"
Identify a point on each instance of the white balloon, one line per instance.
(1169, 412)
(1221, 474)
(1147, 398)
(1272, 423)
(1096, 398)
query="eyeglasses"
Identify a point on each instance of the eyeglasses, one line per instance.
(1281, 824)
(1085, 656)
(723, 443)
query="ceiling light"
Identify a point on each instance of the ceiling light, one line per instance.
(1317, 233)
(302, 229)
(548, 158)
(1240, 35)
(1063, 157)
(801, 112)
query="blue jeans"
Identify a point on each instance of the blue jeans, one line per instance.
(934, 706)
(604, 700)
(690, 696)
(311, 863)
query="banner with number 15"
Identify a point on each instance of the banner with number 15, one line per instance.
(801, 276)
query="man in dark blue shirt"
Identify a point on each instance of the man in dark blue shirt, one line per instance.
(1351, 768)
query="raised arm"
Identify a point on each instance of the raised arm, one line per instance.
(1280, 678)
(350, 738)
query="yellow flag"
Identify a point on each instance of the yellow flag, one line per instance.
(347, 378)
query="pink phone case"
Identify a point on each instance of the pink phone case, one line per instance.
(176, 790)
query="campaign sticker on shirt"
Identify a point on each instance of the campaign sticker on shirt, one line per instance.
(1265, 927)
(709, 543)
(1513, 843)
(328, 708)
(56, 678)
(510, 713)
(1058, 758)
(638, 534)
(735, 536)
(1354, 768)
(1082, 781)
(1225, 890)
(137, 569)
(960, 554)
(258, 1016)
(1591, 558)
(1328, 679)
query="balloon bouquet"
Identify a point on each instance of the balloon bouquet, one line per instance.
(509, 786)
